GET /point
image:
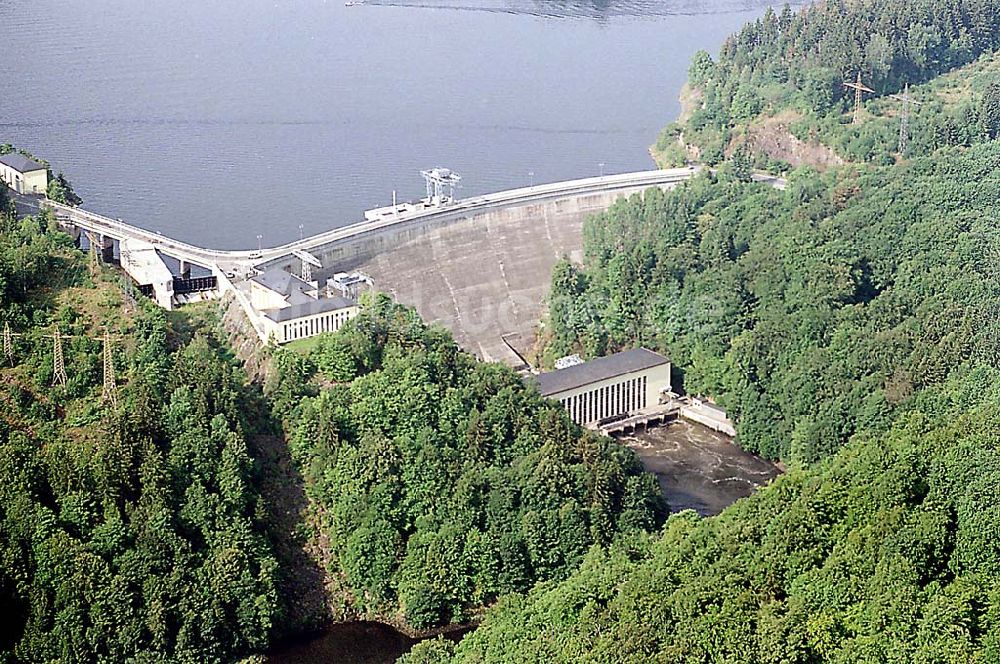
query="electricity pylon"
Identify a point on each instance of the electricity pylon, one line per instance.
(859, 88)
(904, 122)
(110, 394)
(58, 364)
(128, 297)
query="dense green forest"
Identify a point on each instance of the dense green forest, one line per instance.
(885, 553)
(851, 323)
(129, 532)
(443, 483)
(810, 312)
(793, 66)
(144, 531)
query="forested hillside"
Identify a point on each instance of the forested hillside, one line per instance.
(786, 72)
(809, 313)
(851, 323)
(140, 531)
(127, 533)
(885, 553)
(443, 483)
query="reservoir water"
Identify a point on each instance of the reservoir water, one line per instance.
(214, 122)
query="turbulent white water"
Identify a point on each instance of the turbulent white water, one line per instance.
(213, 122)
(699, 469)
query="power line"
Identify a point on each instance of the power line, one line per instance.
(59, 376)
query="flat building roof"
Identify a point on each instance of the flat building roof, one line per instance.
(595, 371)
(312, 308)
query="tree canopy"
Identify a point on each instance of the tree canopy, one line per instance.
(793, 66)
(444, 483)
(128, 533)
(810, 312)
(885, 552)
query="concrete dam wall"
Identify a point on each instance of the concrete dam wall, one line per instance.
(483, 276)
(486, 277)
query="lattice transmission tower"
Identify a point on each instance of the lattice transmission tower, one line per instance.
(859, 89)
(904, 121)
(110, 393)
(94, 266)
(58, 363)
(128, 296)
(8, 344)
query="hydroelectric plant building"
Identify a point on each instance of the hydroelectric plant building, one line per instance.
(292, 308)
(614, 386)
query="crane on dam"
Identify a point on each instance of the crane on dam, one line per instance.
(438, 181)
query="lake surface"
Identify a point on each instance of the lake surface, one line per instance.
(214, 122)
(698, 468)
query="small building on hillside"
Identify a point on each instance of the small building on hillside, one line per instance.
(614, 386)
(301, 321)
(292, 309)
(23, 175)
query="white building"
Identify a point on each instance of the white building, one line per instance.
(302, 321)
(613, 386)
(23, 175)
(292, 308)
(140, 260)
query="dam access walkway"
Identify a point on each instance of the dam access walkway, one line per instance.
(242, 261)
(479, 266)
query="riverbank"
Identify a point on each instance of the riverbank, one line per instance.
(670, 149)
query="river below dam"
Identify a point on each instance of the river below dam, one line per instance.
(215, 122)
(699, 469)
(349, 643)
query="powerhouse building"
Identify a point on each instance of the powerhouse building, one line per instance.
(609, 387)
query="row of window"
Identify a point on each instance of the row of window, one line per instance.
(621, 398)
(301, 329)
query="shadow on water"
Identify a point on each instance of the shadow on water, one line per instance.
(698, 468)
(600, 10)
(350, 643)
(357, 642)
